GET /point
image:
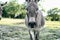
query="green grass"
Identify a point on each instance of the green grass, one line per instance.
(11, 22)
(17, 30)
(8, 21)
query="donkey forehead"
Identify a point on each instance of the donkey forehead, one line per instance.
(32, 5)
(32, 14)
(32, 0)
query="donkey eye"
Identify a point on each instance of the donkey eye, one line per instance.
(35, 0)
(29, 0)
(36, 9)
(38, 0)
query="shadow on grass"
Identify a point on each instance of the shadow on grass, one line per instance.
(50, 34)
(21, 33)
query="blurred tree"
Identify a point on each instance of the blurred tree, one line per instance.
(22, 12)
(53, 14)
(14, 10)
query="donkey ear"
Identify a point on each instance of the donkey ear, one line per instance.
(5, 2)
(28, 0)
(37, 0)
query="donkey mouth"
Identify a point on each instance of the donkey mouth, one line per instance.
(32, 24)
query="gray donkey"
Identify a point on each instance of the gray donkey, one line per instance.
(0, 11)
(34, 19)
(1, 8)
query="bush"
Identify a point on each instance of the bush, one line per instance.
(13, 8)
(48, 18)
(21, 16)
(54, 13)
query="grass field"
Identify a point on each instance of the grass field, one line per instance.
(21, 22)
(15, 29)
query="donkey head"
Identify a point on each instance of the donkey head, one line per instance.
(32, 12)
(2, 4)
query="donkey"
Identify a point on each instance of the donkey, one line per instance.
(34, 19)
(0, 12)
(1, 8)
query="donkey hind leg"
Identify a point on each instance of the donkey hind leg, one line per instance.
(36, 33)
(31, 35)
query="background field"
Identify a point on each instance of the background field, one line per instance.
(12, 24)
(15, 29)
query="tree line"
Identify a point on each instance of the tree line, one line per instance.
(53, 14)
(15, 10)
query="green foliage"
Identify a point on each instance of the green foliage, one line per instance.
(53, 14)
(5, 14)
(22, 12)
(14, 10)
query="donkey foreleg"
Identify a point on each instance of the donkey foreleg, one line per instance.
(36, 33)
(32, 37)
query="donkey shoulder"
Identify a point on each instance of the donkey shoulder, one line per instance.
(41, 17)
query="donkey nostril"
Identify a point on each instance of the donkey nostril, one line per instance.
(31, 24)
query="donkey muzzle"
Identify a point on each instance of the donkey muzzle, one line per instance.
(32, 24)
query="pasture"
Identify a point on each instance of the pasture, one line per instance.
(15, 29)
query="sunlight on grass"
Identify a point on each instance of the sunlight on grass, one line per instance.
(21, 22)
(6, 21)
(52, 24)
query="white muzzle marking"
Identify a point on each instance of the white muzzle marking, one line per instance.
(31, 19)
(32, 35)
